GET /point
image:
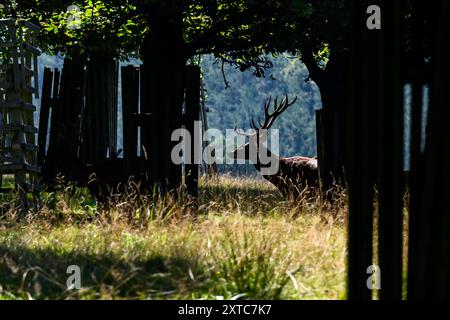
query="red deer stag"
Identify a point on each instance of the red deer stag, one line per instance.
(295, 174)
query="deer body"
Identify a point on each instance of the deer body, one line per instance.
(295, 174)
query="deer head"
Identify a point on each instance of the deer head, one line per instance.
(259, 134)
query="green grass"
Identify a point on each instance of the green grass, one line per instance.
(244, 241)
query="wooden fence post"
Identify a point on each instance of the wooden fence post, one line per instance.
(359, 155)
(151, 134)
(390, 152)
(44, 115)
(435, 169)
(130, 107)
(50, 160)
(100, 112)
(418, 223)
(192, 115)
(320, 149)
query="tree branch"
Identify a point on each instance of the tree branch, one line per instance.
(315, 72)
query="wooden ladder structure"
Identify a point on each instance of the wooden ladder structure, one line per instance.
(18, 67)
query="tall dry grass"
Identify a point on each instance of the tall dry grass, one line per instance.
(243, 241)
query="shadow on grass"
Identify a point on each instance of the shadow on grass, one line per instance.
(42, 274)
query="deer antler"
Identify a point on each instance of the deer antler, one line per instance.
(270, 117)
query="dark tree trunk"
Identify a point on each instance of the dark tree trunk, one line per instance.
(331, 83)
(164, 56)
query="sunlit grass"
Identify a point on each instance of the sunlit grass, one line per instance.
(244, 241)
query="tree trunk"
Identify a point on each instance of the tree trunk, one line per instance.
(331, 83)
(164, 57)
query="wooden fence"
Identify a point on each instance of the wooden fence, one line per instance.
(79, 118)
(378, 72)
(148, 122)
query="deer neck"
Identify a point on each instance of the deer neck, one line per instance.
(262, 157)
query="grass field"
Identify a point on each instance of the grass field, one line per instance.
(245, 241)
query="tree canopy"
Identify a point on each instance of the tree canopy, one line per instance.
(239, 32)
